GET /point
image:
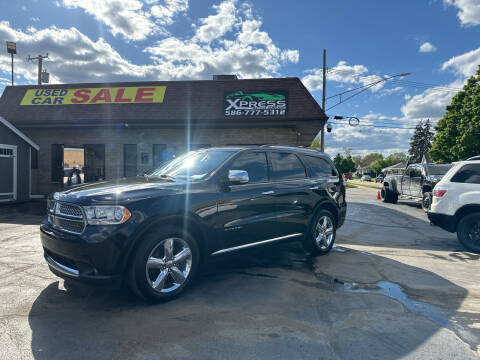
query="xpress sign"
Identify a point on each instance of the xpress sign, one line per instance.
(255, 103)
(109, 95)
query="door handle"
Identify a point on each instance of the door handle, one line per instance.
(271, 192)
(314, 187)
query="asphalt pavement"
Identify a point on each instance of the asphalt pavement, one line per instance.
(393, 287)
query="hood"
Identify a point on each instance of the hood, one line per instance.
(121, 191)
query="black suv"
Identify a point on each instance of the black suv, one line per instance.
(153, 231)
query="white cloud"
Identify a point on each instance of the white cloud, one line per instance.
(249, 51)
(432, 102)
(215, 26)
(464, 65)
(468, 11)
(427, 47)
(341, 73)
(74, 57)
(364, 139)
(429, 104)
(127, 18)
(165, 13)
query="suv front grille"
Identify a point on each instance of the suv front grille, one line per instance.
(67, 217)
(69, 210)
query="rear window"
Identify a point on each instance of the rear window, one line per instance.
(438, 169)
(320, 167)
(469, 173)
(286, 166)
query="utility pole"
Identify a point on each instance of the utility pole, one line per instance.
(40, 62)
(324, 83)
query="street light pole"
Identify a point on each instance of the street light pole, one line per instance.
(324, 84)
(11, 49)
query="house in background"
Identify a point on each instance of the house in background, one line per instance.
(16, 154)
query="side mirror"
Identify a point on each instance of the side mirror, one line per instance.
(238, 177)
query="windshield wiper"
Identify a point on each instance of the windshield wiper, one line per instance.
(167, 177)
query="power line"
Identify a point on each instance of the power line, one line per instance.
(364, 88)
(381, 126)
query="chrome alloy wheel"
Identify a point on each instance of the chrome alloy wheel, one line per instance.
(324, 232)
(169, 264)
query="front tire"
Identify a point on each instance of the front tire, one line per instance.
(388, 196)
(468, 232)
(323, 230)
(427, 201)
(164, 264)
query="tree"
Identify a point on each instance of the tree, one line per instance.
(315, 143)
(344, 164)
(421, 141)
(458, 132)
(370, 159)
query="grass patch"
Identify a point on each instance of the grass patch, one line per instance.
(368, 186)
(350, 185)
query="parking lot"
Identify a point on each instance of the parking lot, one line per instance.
(393, 287)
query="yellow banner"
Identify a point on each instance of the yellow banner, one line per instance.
(110, 95)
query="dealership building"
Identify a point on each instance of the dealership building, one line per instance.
(101, 131)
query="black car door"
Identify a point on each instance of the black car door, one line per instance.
(246, 212)
(292, 193)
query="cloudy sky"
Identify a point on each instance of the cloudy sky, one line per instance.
(437, 41)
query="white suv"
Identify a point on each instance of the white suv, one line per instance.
(456, 203)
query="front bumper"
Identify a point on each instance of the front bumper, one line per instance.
(446, 222)
(98, 256)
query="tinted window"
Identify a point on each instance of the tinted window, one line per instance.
(254, 163)
(468, 174)
(438, 169)
(286, 166)
(320, 167)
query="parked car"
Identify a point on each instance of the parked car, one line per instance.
(366, 178)
(417, 183)
(456, 203)
(152, 231)
(380, 178)
(347, 176)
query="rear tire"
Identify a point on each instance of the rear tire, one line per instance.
(322, 233)
(427, 201)
(468, 232)
(164, 264)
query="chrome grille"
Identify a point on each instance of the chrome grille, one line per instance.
(69, 210)
(68, 217)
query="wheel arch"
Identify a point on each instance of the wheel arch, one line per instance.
(191, 225)
(465, 210)
(427, 188)
(325, 205)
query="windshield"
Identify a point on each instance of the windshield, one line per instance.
(438, 169)
(194, 165)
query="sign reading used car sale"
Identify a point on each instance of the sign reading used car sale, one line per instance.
(110, 95)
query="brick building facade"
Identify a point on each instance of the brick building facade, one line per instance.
(128, 128)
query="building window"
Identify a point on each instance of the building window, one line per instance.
(130, 160)
(162, 153)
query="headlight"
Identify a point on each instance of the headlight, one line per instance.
(106, 215)
(50, 206)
